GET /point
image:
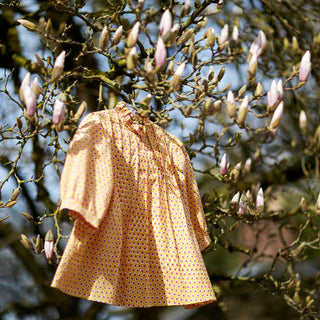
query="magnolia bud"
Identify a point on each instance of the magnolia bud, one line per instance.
(273, 96)
(175, 81)
(58, 66)
(132, 59)
(303, 122)
(25, 82)
(243, 110)
(211, 38)
(160, 55)
(133, 35)
(234, 203)
(231, 105)
(48, 245)
(104, 38)
(26, 242)
(259, 90)
(260, 200)
(29, 25)
(29, 101)
(318, 202)
(276, 116)
(224, 165)
(58, 110)
(165, 23)
(235, 34)
(258, 45)
(253, 66)
(117, 35)
(36, 89)
(305, 67)
(224, 34)
(81, 110)
(243, 204)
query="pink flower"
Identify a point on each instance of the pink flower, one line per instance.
(104, 37)
(305, 67)
(224, 165)
(25, 83)
(58, 111)
(30, 101)
(160, 55)
(318, 202)
(235, 34)
(165, 22)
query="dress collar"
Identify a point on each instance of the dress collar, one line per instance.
(133, 122)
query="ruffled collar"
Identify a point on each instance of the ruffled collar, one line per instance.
(133, 122)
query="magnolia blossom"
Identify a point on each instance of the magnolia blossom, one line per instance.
(224, 165)
(58, 111)
(133, 35)
(25, 82)
(318, 201)
(165, 22)
(132, 59)
(36, 89)
(160, 55)
(253, 65)
(27, 95)
(224, 34)
(305, 67)
(211, 38)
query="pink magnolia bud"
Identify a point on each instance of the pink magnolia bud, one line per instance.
(253, 66)
(160, 55)
(58, 66)
(318, 202)
(235, 34)
(235, 198)
(133, 35)
(132, 58)
(305, 67)
(273, 96)
(165, 22)
(36, 89)
(30, 101)
(258, 45)
(224, 34)
(277, 115)
(243, 204)
(48, 245)
(243, 110)
(25, 82)
(58, 111)
(224, 165)
(175, 81)
(104, 37)
(60, 60)
(117, 35)
(280, 90)
(260, 200)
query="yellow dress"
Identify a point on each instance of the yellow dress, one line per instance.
(139, 224)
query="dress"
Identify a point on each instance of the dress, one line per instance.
(139, 223)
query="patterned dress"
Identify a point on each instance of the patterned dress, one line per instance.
(139, 225)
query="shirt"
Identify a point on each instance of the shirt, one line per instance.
(139, 224)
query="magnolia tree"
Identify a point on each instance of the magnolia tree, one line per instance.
(215, 83)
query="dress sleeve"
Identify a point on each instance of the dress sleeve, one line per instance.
(190, 192)
(86, 185)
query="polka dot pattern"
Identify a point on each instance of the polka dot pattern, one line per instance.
(139, 224)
